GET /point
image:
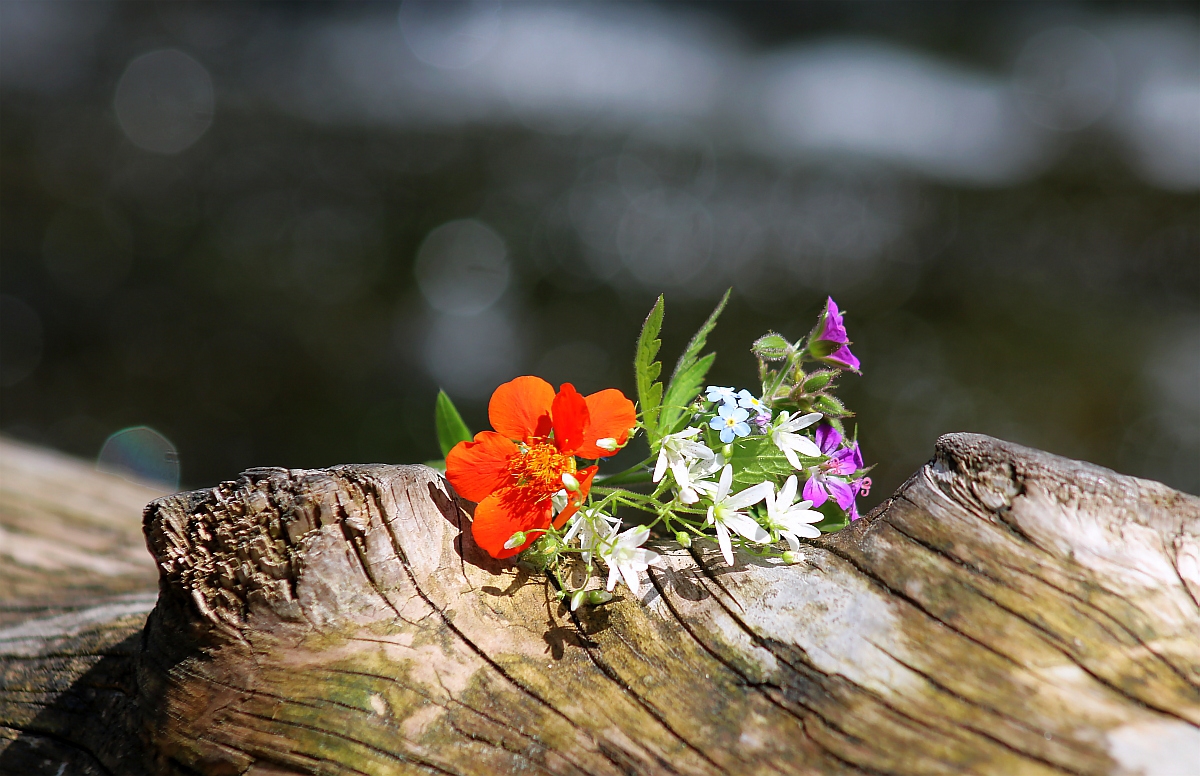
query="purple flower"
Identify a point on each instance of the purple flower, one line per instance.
(828, 438)
(762, 421)
(828, 479)
(822, 487)
(832, 346)
(841, 463)
(844, 358)
(835, 329)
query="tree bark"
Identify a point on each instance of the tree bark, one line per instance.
(1005, 611)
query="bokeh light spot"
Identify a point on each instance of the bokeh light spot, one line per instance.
(141, 454)
(462, 267)
(164, 101)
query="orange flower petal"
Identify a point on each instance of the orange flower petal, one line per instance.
(611, 416)
(477, 469)
(570, 415)
(497, 519)
(517, 406)
(575, 499)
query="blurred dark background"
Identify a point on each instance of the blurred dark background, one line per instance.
(270, 231)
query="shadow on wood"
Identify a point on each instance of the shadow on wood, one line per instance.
(1006, 611)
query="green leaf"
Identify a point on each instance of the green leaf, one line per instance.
(674, 416)
(688, 377)
(756, 459)
(646, 370)
(450, 427)
(771, 347)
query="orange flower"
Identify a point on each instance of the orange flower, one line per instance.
(513, 473)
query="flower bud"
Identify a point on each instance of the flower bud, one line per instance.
(607, 443)
(516, 540)
(684, 539)
(790, 557)
(771, 347)
(818, 380)
(828, 405)
(595, 597)
(578, 599)
(570, 482)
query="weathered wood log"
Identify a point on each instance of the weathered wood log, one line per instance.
(1006, 611)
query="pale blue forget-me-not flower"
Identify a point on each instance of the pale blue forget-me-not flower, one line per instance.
(731, 422)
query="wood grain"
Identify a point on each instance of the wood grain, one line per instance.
(1006, 611)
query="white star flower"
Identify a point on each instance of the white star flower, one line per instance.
(590, 526)
(694, 481)
(724, 514)
(784, 436)
(789, 519)
(677, 450)
(625, 557)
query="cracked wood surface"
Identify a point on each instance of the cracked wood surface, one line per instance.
(1005, 612)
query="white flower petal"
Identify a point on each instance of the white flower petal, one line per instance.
(630, 575)
(723, 541)
(724, 483)
(751, 495)
(660, 468)
(807, 446)
(634, 536)
(799, 516)
(745, 526)
(787, 494)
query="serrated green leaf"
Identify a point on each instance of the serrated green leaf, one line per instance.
(647, 368)
(683, 391)
(450, 426)
(688, 376)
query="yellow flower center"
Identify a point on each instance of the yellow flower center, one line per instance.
(539, 468)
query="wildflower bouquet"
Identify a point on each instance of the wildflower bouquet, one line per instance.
(754, 470)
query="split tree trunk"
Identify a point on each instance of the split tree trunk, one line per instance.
(1005, 612)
